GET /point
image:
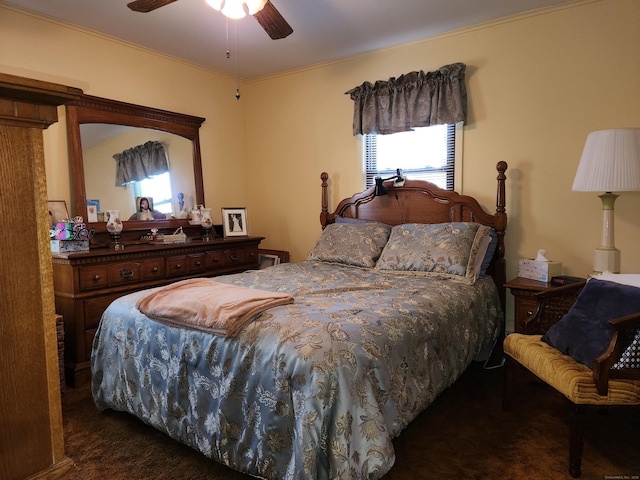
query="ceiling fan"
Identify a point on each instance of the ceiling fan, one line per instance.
(268, 17)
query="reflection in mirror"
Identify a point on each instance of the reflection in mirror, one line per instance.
(179, 132)
(100, 142)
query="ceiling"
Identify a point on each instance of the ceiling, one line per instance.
(323, 30)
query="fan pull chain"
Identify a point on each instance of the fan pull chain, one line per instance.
(235, 32)
(235, 29)
(226, 26)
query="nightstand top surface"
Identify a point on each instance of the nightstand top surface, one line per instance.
(528, 284)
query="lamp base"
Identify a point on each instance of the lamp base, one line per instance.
(115, 241)
(207, 234)
(606, 259)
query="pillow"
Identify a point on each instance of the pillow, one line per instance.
(340, 219)
(357, 244)
(491, 250)
(480, 256)
(442, 249)
(584, 332)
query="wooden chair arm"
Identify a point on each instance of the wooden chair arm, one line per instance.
(624, 332)
(552, 305)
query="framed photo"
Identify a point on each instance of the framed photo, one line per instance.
(144, 208)
(234, 222)
(265, 260)
(92, 213)
(57, 212)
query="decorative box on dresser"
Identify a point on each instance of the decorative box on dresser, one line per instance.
(87, 282)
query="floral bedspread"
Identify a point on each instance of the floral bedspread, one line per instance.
(312, 390)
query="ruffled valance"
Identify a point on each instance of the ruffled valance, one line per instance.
(138, 163)
(415, 99)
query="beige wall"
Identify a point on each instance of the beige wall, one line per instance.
(538, 84)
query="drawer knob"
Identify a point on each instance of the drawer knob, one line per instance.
(96, 278)
(178, 265)
(155, 270)
(198, 263)
(126, 273)
(234, 257)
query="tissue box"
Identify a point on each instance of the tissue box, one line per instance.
(61, 246)
(541, 271)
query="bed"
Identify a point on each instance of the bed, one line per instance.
(380, 323)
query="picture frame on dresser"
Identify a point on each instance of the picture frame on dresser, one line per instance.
(234, 222)
(58, 212)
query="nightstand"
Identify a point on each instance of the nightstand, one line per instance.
(525, 300)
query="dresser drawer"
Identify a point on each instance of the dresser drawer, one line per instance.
(94, 308)
(152, 268)
(93, 277)
(214, 259)
(196, 263)
(185, 264)
(176, 265)
(239, 256)
(123, 273)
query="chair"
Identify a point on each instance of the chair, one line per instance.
(610, 382)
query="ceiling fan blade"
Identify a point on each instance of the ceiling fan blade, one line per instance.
(146, 6)
(273, 23)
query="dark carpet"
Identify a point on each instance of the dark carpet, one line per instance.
(464, 434)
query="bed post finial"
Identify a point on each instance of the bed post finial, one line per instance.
(500, 268)
(501, 167)
(324, 176)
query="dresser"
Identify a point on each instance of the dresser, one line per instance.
(86, 283)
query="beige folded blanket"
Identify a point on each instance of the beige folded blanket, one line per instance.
(207, 305)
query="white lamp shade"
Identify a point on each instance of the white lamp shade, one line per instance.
(610, 162)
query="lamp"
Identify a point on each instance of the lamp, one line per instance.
(380, 188)
(114, 227)
(610, 163)
(235, 8)
(206, 224)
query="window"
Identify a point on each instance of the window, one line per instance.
(157, 187)
(426, 153)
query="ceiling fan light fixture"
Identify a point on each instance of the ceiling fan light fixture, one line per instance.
(254, 6)
(215, 4)
(233, 9)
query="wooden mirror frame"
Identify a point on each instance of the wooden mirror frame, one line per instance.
(90, 109)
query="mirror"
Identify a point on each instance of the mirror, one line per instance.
(99, 143)
(93, 122)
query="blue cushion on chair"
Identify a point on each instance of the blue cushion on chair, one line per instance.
(584, 332)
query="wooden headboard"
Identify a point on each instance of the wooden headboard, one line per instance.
(418, 201)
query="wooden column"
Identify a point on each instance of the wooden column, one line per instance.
(31, 432)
